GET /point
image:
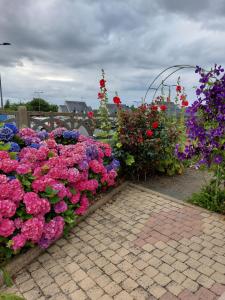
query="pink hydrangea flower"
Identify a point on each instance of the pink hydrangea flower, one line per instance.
(4, 155)
(75, 198)
(96, 167)
(7, 227)
(23, 168)
(3, 178)
(52, 231)
(18, 241)
(89, 185)
(7, 208)
(18, 223)
(60, 207)
(32, 229)
(8, 165)
(84, 204)
(35, 205)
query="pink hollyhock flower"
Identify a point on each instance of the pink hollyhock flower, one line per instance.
(75, 198)
(32, 229)
(7, 227)
(18, 241)
(18, 223)
(4, 155)
(60, 207)
(7, 208)
(84, 204)
(23, 169)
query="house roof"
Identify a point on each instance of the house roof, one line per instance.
(63, 108)
(76, 106)
(112, 108)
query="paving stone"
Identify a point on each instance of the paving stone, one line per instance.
(190, 285)
(95, 292)
(33, 294)
(151, 271)
(79, 294)
(86, 284)
(166, 269)
(123, 296)
(112, 289)
(157, 291)
(162, 279)
(192, 274)
(129, 284)
(51, 290)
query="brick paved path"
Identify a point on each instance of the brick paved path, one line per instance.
(140, 246)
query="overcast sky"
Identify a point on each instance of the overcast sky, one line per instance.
(60, 46)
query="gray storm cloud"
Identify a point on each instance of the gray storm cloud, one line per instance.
(60, 46)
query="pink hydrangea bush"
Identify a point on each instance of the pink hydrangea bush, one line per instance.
(51, 181)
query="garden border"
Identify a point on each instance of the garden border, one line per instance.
(22, 260)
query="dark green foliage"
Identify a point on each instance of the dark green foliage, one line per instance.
(210, 197)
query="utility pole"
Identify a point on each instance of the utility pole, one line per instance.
(2, 103)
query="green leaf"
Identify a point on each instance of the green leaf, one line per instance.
(6, 277)
(129, 160)
(54, 199)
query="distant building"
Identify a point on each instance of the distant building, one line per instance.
(112, 108)
(78, 107)
(172, 108)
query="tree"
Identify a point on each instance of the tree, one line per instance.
(38, 104)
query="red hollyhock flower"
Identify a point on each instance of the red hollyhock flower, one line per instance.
(182, 97)
(178, 89)
(185, 103)
(163, 107)
(90, 114)
(100, 96)
(154, 107)
(149, 132)
(102, 83)
(116, 100)
(155, 125)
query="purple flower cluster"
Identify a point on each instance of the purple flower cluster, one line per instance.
(206, 120)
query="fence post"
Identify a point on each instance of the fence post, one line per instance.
(22, 117)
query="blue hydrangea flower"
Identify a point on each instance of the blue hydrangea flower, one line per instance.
(92, 152)
(14, 147)
(34, 145)
(67, 134)
(43, 134)
(115, 164)
(12, 127)
(75, 134)
(6, 134)
(11, 177)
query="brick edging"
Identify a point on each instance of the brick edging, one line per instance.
(22, 260)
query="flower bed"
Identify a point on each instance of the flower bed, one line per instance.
(46, 181)
(206, 133)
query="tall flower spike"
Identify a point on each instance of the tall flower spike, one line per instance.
(105, 124)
